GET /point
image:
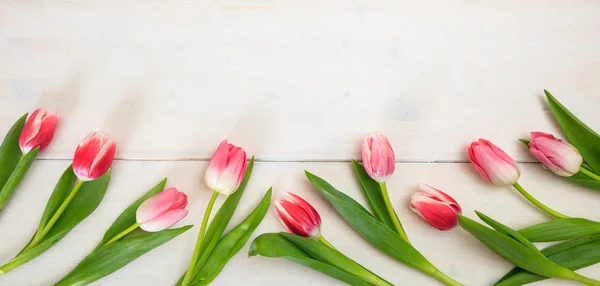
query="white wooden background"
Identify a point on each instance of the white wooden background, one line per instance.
(298, 84)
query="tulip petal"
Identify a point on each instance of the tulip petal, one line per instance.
(157, 205)
(217, 164)
(93, 156)
(438, 214)
(295, 219)
(378, 157)
(440, 196)
(164, 221)
(308, 208)
(38, 130)
(493, 163)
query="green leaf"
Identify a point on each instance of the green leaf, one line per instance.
(231, 243)
(574, 254)
(586, 140)
(374, 231)
(560, 229)
(221, 219)
(112, 257)
(514, 251)
(17, 176)
(83, 204)
(372, 191)
(507, 231)
(275, 245)
(127, 217)
(10, 153)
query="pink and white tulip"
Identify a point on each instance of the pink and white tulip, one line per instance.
(93, 156)
(494, 165)
(378, 157)
(298, 216)
(560, 157)
(435, 207)
(226, 168)
(38, 130)
(162, 210)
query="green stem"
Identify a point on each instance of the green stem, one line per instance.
(586, 280)
(189, 274)
(40, 235)
(446, 279)
(392, 212)
(538, 203)
(122, 234)
(589, 173)
(324, 241)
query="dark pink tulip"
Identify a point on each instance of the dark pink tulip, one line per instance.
(38, 130)
(226, 168)
(560, 157)
(162, 210)
(298, 216)
(435, 207)
(378, 157)
(493, 164)
(93, 156)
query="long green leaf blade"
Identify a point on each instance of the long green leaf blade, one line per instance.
(586, 140)
(374, 231)
(372, 191)
(560, 229)
(232, 242)
(17, 176)
(10, 151)
(111, 258)
(276, 246)
(507, 231)
(584, 180)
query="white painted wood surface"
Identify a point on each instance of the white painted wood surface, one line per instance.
(294, 82)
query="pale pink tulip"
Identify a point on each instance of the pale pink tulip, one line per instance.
(226, 168)
(93, 156)
(378, 157)
(435, 207)
(558, 156)
(298, 216)
(162, 210)
(38, 130)
(493, 164)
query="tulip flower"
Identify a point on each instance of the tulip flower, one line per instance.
(435, 207)
(558, 156)
(162, 210)
(378, 157)
(38, 130)
(496, 167)
(298, 216)
(226, 168)
(93, 156)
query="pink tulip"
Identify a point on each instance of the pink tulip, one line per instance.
(93, 156)
(162, 210)
(226, 168)
(378, 157)
(493, 164)
(435, 207)
(558, 156)
(298, 216)
(38, 130)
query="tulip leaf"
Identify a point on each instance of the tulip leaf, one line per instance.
(275, 245)
(560, 229)
(586, 140)
(10, 153)
(17, 176)
(110, 258)
(507, 231)
(514, 251)
(374, 231)
(574, 254)
(83, 204)
(221, 220)
(127, 217)
(231, 243)
(373, 193)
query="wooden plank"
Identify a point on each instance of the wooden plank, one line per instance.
(455, 251)
(300, 81)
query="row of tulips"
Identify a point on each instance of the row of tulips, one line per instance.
(145, 224)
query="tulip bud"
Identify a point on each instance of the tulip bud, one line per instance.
(493, 164)
(435, 207)
(93, 156)
(298, 216)
(560, 157)
(378, 157)
(226, 168)
(162, 210)
(38, 130)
